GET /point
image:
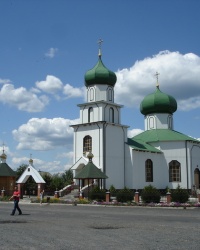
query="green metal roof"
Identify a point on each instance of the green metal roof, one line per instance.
(155, 135)
(141, 141)
(100, 75)
(5, 170)
(158, 102)
(142, 146)
(90, 171)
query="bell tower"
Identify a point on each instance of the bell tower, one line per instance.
(100, 130)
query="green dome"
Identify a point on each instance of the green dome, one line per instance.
(158, 102)
(100, 75)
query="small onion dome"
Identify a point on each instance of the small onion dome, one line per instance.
(3, 156)
(158, 102)
(31, 161)
(90, 156)
(100, 75)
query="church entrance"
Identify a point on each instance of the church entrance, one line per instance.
(196, 178)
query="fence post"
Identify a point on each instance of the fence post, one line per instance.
(137, 198)
(2, 193)
(168, 197)
(107, 196)
(56, 195)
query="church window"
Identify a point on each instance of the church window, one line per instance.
(110, 94)
(170, 122)
(87, 144)
(174, 171)
(111, 115)
(149, 170)
(151, 122)
(90, 115)
(91, 94)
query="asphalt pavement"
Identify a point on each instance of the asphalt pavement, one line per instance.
(61, 227)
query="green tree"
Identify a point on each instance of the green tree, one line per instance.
(67, 177)
(57, 182)
(48, 179)
(20, 170)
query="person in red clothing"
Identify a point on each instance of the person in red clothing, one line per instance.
(15, 197)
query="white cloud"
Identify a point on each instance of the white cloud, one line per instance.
(51, 52)
(51, 167)
(134, 132)
(179, 77)
(22, 98)
(51, 85)
(44, 134)
(5, 81)
(72, 92)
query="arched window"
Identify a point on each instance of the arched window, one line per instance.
(87, 144)
(110, 94)
(92, 94)
(90, 115)
(111, 115)
(170, 122)
(151, 122)
(149, 170)
(174, 171)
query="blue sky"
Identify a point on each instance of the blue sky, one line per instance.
(48, 45)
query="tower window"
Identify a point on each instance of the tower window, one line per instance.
(91, 94)
(149, 170)
(90, 115)
(174, 171)
(110, 94)
(111, 115)
(87, 144)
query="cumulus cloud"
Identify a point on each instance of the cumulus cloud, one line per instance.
(4, 81)
(23, 99)
(51, 52)
(134, 132)
(46, 166)
(44, 134)
(51, 85)
(179, 77)
(71, 92)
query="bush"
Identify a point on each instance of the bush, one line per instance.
(150, 194)
(112, 190)
(5, 198)
(179, 195)
(124, 195)
(97, 194)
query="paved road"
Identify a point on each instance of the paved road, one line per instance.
(79, 227)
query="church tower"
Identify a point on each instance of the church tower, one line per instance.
(100, 130)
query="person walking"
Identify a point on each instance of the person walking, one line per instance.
(15, 197)
(41, 196)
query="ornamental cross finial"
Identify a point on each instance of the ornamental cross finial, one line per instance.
(100, 42)
(156, 75)
(3, 147)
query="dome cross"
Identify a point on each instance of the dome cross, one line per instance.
(156, 75)
(100, 41)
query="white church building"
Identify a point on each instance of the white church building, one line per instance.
(160, 156)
